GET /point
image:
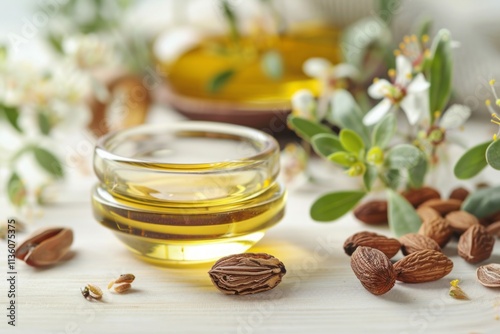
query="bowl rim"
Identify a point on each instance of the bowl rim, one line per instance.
(269, 146)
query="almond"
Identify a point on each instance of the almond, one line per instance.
(427, 214)
(438, 230)
(45, 247)
(460, 221)
(374, 270)
(459, 193)
(247, 273)
(372, 212)
(490, 219)
(494, 229)
(421, 195)
(476, 244)
(443, 206)
(388, 246)
(489, 275)
(412, 242)
(423, 266)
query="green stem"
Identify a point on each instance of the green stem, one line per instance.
(232, 21)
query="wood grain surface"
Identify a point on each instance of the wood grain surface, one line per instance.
(318, 294)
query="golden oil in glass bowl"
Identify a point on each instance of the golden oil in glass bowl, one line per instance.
(188, 192)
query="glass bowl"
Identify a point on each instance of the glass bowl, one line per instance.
(188, 192)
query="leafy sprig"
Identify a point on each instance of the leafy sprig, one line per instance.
(374, 151)
(33, 99)
(46, 160)
(478, 157)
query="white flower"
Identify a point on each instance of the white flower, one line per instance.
(407, 92)
(304, 104)
(90, 51)
(454, 117)
(294, 160)
(323, 69)
(329, 76)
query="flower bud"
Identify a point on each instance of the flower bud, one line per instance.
(357, 169)
(375, 156)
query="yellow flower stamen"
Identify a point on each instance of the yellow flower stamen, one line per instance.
(375, 80)
(496, 119)
(409, 76)
(495, 137)
(397, 53)
(427, 53)
(488, 103)
(402, 46)
(391, 73)
(406, 39)
(425, 38)
(492, 82)
(497, 102)
(414, 38)
(454, 282)
(437, 114)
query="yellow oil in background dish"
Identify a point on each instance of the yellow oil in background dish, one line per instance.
(190, 74)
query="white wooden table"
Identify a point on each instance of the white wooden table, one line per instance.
(319, 293)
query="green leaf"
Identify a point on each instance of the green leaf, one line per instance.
(403, 156)
(384, 131)
(392, 178)
(370, 177)
(12, 116)
(220, 80)
(493, 154)
(346, 113)
(305, 128)
(387, 9)
(332, 206)
(16, 190)
(403, 218)
(272, 64)
(441, 69)
(424, 27)
(417, 174)
(351, 141)
(44, 123)
(483, 202)
(325, 144)
(56, 41)
(231, 20)
(472, 162)
(343, 158)
(48, 161)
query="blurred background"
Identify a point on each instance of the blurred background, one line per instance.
(73, 70)
(183, 46)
